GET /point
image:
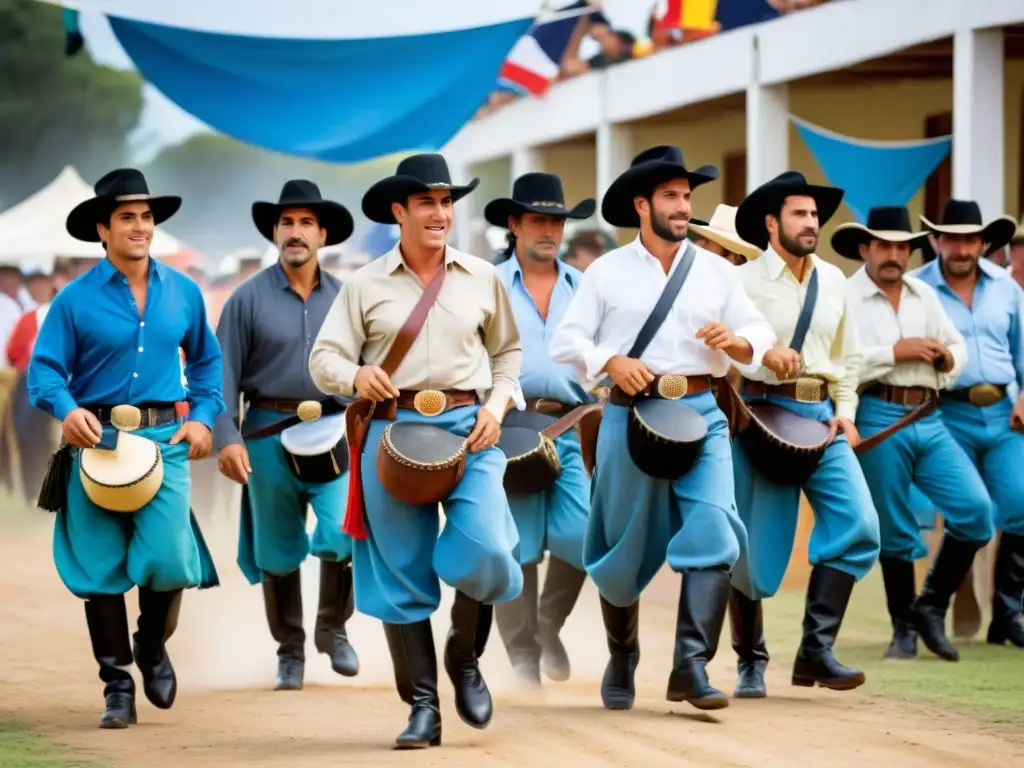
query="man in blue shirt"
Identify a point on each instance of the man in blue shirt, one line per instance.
(540, 288)
(984, 408)
(113, 337)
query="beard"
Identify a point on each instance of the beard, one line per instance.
(795, 247)
(663, 228)
(298, 258)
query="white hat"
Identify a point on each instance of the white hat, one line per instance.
(722, 230)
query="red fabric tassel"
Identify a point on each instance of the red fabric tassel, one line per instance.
(355, 514)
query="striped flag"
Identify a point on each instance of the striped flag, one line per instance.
(695, 17)
(536, 59)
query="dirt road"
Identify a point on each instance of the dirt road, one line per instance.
(226, 714)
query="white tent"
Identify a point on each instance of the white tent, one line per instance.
(32, 232)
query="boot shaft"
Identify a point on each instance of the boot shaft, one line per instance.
(1009, 577)
(107, 619)
(337, 602)
(562, 587)
(621, 627)
(703, 602)
(951, 565)
(282, 599)
(746, 622)
(415, 662)
(900, 587)
(828, 595)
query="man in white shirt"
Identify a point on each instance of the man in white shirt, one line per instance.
(638, 521)
(911, 350)
(818, 383)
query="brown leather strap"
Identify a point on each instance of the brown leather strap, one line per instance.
(570, 420)
(414, 323)
(913, 417)
(694, 386)
(330, 407)
(548, 406)
(786, 389)
(901, 395)
(276, 404)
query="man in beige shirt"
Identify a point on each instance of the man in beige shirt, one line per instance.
(815, 379)
(469, 350)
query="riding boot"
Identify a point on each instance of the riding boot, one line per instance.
(472, 699)
(282, 597)
(415, 662)
(335, 609)
(703, 601)
(562, 587)
(1007, 624)
(107, 619)
(899, 579)
(621, 626)
(158, 618)
(928, 611)
(828, 594)
(746, 619)
(517, 625)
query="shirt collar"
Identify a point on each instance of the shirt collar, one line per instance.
(865, 286)
(393, 259)
(280, 279)
(777, 267)
(108, 271)
(514, 268)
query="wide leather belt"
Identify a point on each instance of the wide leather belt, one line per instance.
(276, 404)
(669, 386)
(806, 389)
(980, 395)
(426, 402)
(900, 395)
(153, 414)
(548, 406)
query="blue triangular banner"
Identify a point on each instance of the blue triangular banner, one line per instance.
(873, 173)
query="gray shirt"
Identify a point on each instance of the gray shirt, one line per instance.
(266, 332)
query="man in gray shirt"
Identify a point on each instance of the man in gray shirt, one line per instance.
(290, 451)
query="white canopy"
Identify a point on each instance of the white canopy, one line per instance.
(32, 232)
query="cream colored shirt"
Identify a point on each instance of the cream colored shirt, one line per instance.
(617, 294)
(830, 350)
(469, 341)
(879, 327)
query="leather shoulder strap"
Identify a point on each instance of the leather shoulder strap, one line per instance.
(414, 323)
(907, 420)
(571, 419)
(803, 322)
(665, 301)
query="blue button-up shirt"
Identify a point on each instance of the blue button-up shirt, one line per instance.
(96, 349)
(540, 377)
(991, 326)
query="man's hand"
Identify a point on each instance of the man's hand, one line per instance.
(628, 373)
(1017, 414)
(849, 429)
(918, 351)
(718, 336)
(943, 361)
(233, 463)
(198, 436)
(373, 384)
(82, 429)
(782, 361)
(485, 433)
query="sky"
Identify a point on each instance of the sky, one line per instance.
(164, 123)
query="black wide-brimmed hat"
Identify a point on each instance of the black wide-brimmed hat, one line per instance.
(415, 174)
(125, 185)
(650, 168)
(963, 217)
(768, 198)
(299, 193)
(536, 193)
(890, 223)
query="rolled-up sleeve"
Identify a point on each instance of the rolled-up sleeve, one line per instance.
(505, 349)
(334, 360)
(574, 341)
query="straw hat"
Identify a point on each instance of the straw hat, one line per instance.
(722, 230)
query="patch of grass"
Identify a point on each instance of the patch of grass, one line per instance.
(987, 683)
(20, 747)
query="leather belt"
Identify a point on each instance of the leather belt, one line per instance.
(548, 406)
(153, 414)
(980, 395)
(901, 395)
(804, 390)
(426, 402)
(276, 404)
(669, 386)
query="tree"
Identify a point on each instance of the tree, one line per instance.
(56, 110)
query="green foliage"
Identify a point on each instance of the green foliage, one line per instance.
(56, 110)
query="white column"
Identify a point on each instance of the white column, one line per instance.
(465, 211)
(767, 132)
(526, 160)
(979, 143)
(614, 153)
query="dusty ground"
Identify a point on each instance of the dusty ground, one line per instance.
(227, 715)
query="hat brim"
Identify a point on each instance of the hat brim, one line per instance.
(617, 206)
(498, 211)
(81, 222)
(379, 198)
(727, 240)
(847, 239)
(331, 216)
(750, 215)
(996, 233)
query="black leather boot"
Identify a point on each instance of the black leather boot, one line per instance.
(517, 625)
(415, 661)
(107, 619)
(1007, 624)
(562, 587)
(828, 594)
(899, 579)
(928, 611)
(282, 597)
(746, 619)
(703, 601)
(158, 618)
(621, 626)
(472, 699)
(335, 609)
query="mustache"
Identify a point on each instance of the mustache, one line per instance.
(887, 264)
(811, 232)
(295, 241)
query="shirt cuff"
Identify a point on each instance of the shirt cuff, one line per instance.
(204, 413)
(498, 402)
(595, 360)
(63, 405)
(847, 411)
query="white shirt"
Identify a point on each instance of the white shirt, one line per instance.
(879, 327)
(830, 348)
(618, 292)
